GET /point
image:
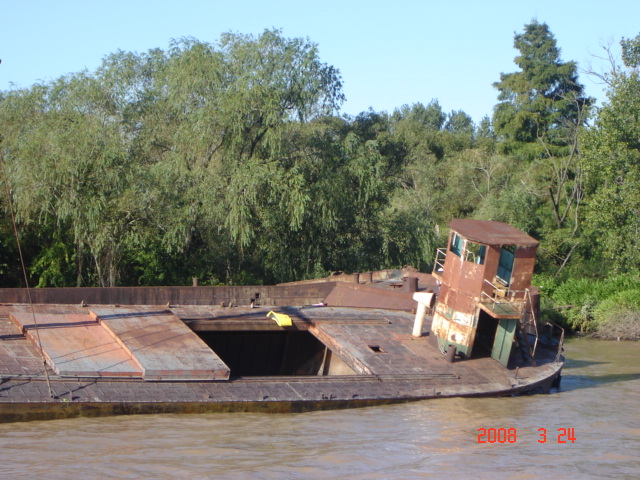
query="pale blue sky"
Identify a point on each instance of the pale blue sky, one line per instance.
(389, 53)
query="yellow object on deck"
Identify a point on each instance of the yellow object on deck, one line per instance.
(281, 319)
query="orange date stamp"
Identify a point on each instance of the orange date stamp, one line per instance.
(510, 435)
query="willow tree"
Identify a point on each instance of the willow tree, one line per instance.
(234, 106)
(67, 163)
(168, 149)
(354, 221)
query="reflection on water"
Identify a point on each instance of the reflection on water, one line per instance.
(598, 398)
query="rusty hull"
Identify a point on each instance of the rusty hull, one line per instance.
(373, 357)
(391, 366)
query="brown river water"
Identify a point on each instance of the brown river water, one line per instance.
(597, 405)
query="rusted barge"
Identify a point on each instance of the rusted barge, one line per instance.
(468, 329)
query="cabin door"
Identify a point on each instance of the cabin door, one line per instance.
(504, 340)
(505, 267)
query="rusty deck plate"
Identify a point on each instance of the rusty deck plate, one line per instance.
(77, 345)
(367, 296)
(163, 346)
(402, 368)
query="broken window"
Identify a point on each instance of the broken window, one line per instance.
(475, 252)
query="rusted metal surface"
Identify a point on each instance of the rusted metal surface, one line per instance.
(292, 294)
(464, 277)
(502, 309)
(368, 296)
(77, 345)
(403, 369)
(470, 283)
(492, 233)
(523, 267)
(201, 318)
(410, 284)
(163, 346)
(296, 295)
(116, 342)
(371, 356)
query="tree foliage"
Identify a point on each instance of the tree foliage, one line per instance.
(541, 113)
(611, 162)
(543, 101)
(166, 145)
(210, 159)
(229, 161)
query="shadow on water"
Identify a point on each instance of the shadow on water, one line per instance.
(597, 363)
(570, 363)
(578, 382)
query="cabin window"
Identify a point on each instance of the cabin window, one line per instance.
(475, 252)
(456, 245)
(505, 267)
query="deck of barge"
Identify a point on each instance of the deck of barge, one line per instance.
(387, 365)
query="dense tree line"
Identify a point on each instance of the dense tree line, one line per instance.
(230, 162)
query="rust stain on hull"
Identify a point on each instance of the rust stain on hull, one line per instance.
(359, 336)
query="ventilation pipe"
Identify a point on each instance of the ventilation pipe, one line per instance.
(424, 301)
(410, 284)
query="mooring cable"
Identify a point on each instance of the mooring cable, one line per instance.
(24, 271)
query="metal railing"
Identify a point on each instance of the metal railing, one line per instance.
(521, 299)
(438, 265)
(560, 341)
(533, 319)
(503, 295)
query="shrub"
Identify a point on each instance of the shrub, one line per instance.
(618, 316)
(591, 302)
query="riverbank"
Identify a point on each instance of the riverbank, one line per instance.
(625, 327)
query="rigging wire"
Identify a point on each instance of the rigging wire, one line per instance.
(24, 271)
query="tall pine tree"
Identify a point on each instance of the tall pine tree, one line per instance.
(543, 102)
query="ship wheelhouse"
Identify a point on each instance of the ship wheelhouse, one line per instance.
(486, 302)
